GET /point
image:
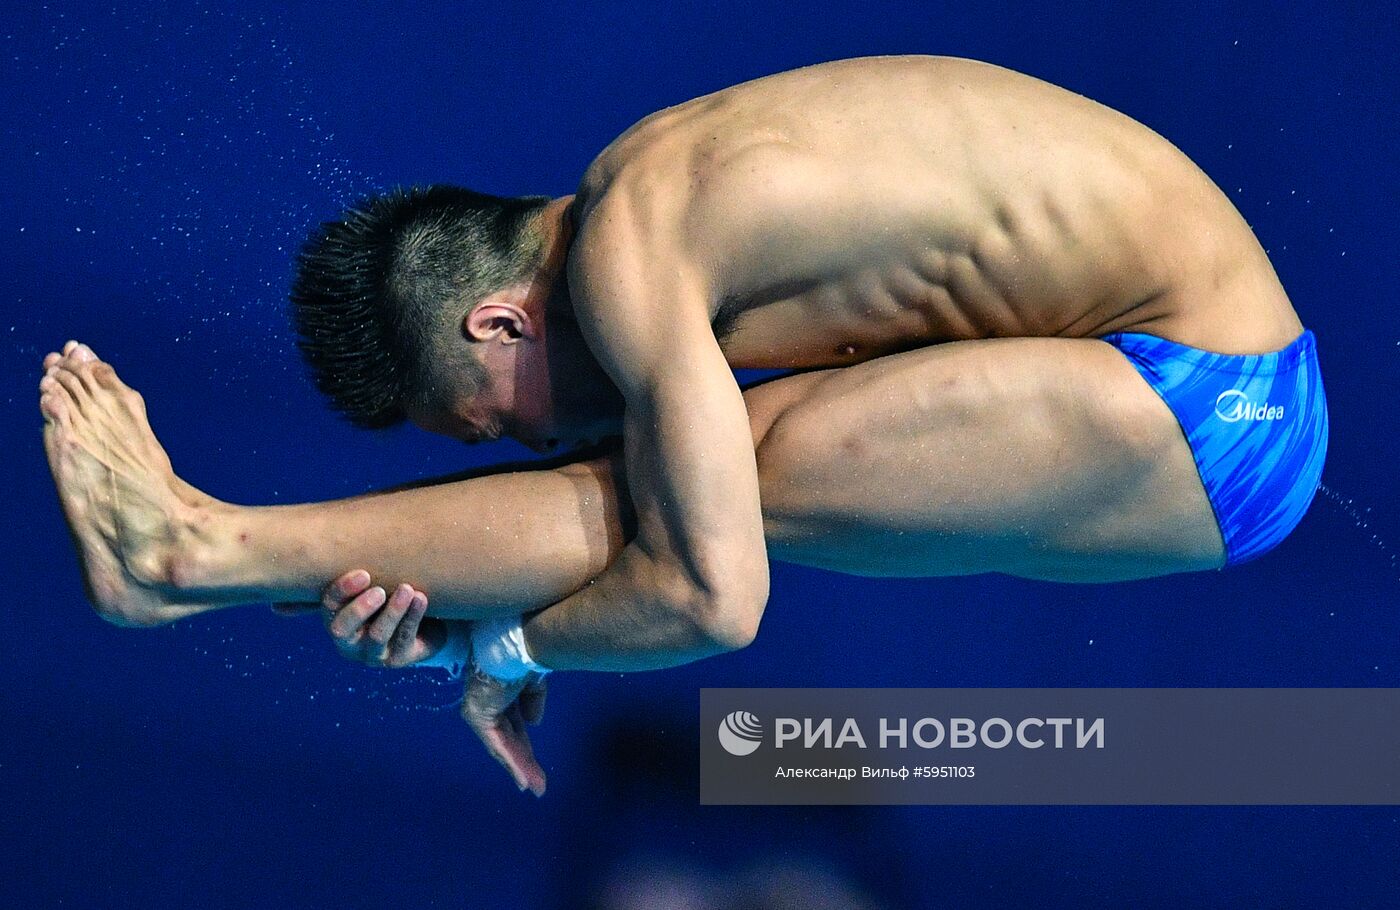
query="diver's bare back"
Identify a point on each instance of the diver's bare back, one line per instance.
(857, 208)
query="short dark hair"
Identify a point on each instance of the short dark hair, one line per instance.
(376, 291)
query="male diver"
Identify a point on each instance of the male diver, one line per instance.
(1029, 336)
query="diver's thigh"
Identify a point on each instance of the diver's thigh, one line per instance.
(1041, 457)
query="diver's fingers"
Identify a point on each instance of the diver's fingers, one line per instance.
(381, 629)
(350, 619)
(405, 647)
(344, 588)
(484, 708)
(505, 739)
(494, 738)
(490, 729)
(522, 752)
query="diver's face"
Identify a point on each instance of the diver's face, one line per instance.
(484, 421)
(519, 402)
(470, 419)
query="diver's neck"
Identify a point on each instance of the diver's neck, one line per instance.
(589, 390)
(555, 226)
(556, 230)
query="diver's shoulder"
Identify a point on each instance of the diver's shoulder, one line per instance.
(648, 182)
(620, 175)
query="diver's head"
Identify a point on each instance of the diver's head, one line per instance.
(450, 308)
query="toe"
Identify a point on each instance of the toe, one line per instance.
(92, 376)
(84, 354)
(51, 360)
(68, 385)
(81, 372)
(54, 407)
(68, 348)
(106, 377)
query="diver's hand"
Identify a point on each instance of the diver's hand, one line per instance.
(373, 628)
(497, 711)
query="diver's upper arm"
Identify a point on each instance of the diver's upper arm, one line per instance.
(643, 308)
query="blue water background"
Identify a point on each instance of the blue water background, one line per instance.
(161, 163)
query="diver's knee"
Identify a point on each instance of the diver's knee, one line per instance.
(784, 461)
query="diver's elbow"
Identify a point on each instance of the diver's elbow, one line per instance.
(719, 611)
(728, 619)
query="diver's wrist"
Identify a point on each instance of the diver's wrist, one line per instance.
(456, 651)
(499, 650)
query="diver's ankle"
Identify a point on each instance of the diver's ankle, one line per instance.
(201, 549)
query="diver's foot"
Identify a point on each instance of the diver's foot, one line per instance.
(132, 519)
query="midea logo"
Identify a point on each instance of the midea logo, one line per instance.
(1232, 405)
(740, 733)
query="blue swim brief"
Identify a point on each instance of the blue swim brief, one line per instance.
(1256, 424)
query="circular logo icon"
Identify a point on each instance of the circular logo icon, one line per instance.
(740, 733)
(1231, 405)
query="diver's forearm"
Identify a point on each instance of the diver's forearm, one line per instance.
(623, 621)
(489, 545)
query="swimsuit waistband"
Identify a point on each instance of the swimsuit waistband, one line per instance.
(1278, 361)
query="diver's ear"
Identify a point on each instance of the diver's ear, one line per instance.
(500, 317)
